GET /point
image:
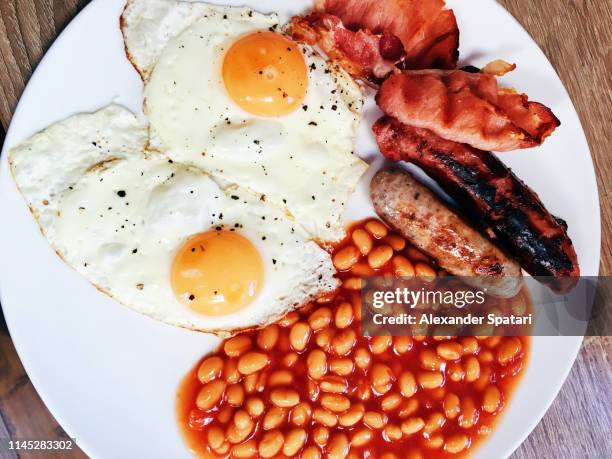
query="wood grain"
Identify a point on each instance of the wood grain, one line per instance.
(577, 38)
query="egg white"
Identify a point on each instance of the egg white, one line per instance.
(303, 161)
(118, 215)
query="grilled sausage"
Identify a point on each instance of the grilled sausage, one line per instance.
(430, 225)
(491, 193)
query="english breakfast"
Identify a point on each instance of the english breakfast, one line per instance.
(222, 210)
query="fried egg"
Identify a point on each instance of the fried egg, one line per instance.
(227, 91)
(162, 237)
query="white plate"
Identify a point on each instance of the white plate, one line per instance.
(108, 374)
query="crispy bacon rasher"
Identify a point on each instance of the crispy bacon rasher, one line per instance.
(362, 54)
(427, 30)
(485, 188)
(372, 38)
(467, 108)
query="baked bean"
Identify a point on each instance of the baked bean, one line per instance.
(362, 437)
(382, 389)
(300, 414)
(338, 447)
(335, 402)
(324, 417)
(271, 443)
(491, 399)
(449, 350)
(352, 416)
(346, 258)
(236, 346)
(381, 375)
(320, 318)
(407, 384)
(225, 414)
(363, 391)
(379, 256)
(471, 368)
(492, 341)
(391, 402)
(317, 364)
(245, 450)
(455, 372)
(456, 443)
(294, 441)
(290, 359)
(469, 413)
(344, 341)
(483, 381)
(396, 242)
(216, 437)
(260, 385)
(311, 452)
(254, 406)
(250, 383)
(403, 267)
(284, 397)
(274, 418)
(280, 378)
(430, 360)
(362, 358)
(334, 384)
(469, 345)
(362, 240)
(424, 271)
(324, 338)
(234, 395)
(230, 371)
(289, 319)
(341, 366)
(242, 420)
(267, 337)
(451, 406)
(434, 441)
(392, 432)
(375, 420)
(353, 283)
(252, 362)
(508, 350)
(344, 315)
(223, 449)
(485, 356)
(376, 229)
(313, 390)
(408, 408)
(320, 435)
(235, 434)
(434, 422)
(412, 425)
(389, 456)
(416, 255)
(362, 270)
(299, 336)
(380, 344)
(210, 369)
(210, 394)
(430, 379)
(402, 344)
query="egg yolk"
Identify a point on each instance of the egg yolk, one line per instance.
(217, 273)
(265, 74)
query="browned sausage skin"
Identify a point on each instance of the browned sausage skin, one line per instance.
(428, 223)
(492, 194)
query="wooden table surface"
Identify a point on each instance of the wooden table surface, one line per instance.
(575, 35)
